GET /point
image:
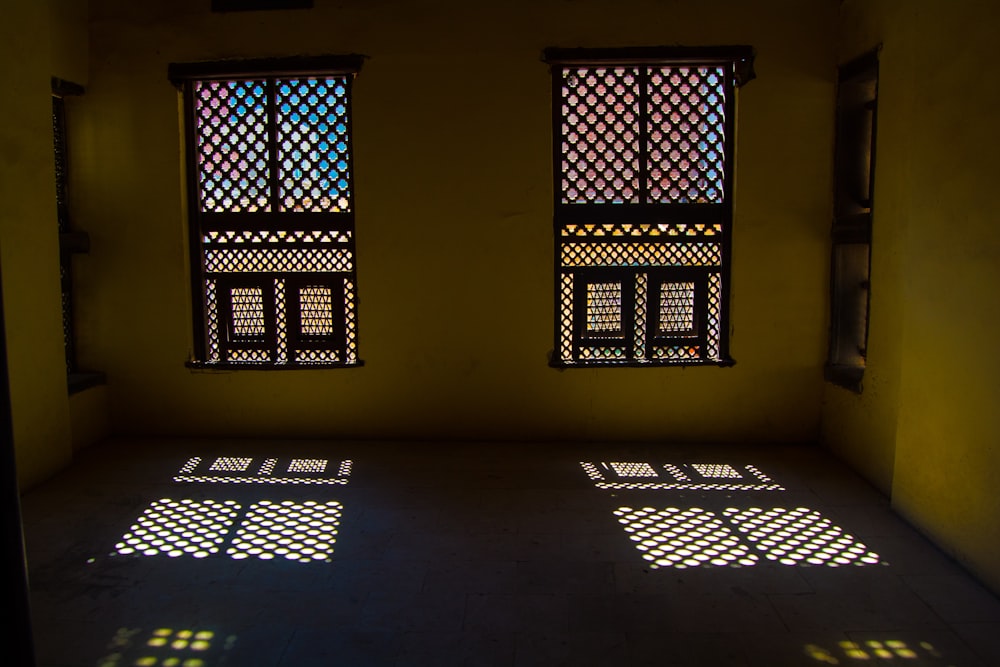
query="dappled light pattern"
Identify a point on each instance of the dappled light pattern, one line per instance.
(716, 471)
(889, 651)
(301, 532)
(307, 465)
(167, 647)
(683, 538)
(179, 527)
(800, 536)
(695, 537)
(633, 469)
(230, 464)
(642, 475)
(261, 470)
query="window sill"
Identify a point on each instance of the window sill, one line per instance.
(78, 382)
(230, 367)
(842, 375)
(562, 365)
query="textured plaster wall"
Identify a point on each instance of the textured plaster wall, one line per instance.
(937, 264)
(453, 182)
(862, 428)
(38, 40)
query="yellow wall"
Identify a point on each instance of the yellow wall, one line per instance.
(454, 201)
(453, 176)
(37, 41)
(927, 427)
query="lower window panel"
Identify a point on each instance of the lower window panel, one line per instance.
(644, 315)
(293, 319)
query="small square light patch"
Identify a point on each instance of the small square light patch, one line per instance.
(632, 469)
(716, 471)
(179, 527)
(303, 532)
(307, 465)
(230, 464)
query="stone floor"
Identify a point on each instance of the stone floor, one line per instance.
(258, 553)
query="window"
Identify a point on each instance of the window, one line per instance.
(643, 161)
(271, 198)
(72, 241)
(850, 260)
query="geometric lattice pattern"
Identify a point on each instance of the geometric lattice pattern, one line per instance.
(676, 308)
(272, 157)
(686, 112)
(296, 531)
(600, 135)
(316, 310)
(232, 145)
(248, 311)
(668, 330)
(307, 465)
(646, 142)
(303, 532)
(273, 260)
(176, 528)
(644, 476)
(263, 470)
(683, 538)
(633, 469)
(683, 122)
(641, 254)
(235, 163)
(716, 470)
(800, 536)
(693, 537)
(604, 308)
(230, 464)
(312, 145)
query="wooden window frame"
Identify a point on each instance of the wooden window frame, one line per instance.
(270, 243)
(851, 230)
(639, 233)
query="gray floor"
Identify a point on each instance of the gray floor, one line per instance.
(470, 554)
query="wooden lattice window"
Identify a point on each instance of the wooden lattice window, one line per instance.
(72, 240)
(643, 156)
(851, 232)
(271, 194)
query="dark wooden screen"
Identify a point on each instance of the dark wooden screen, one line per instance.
(271, 182)
(643, 161)
(850, 258)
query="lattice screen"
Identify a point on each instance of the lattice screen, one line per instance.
(272, 164)
(643, 134)
(642, 209)
(65, 267)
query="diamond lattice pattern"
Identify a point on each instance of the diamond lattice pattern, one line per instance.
(264, 148)
(316, 308)
(683, 121)
(233, 136)
(652, 135)
(604, 308)
(676, 308)
(312, 145)
(248, 311)
(686, 135)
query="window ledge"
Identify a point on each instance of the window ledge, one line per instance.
(77, 382)
(562, 365)
(230, 367)
(846, 376)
